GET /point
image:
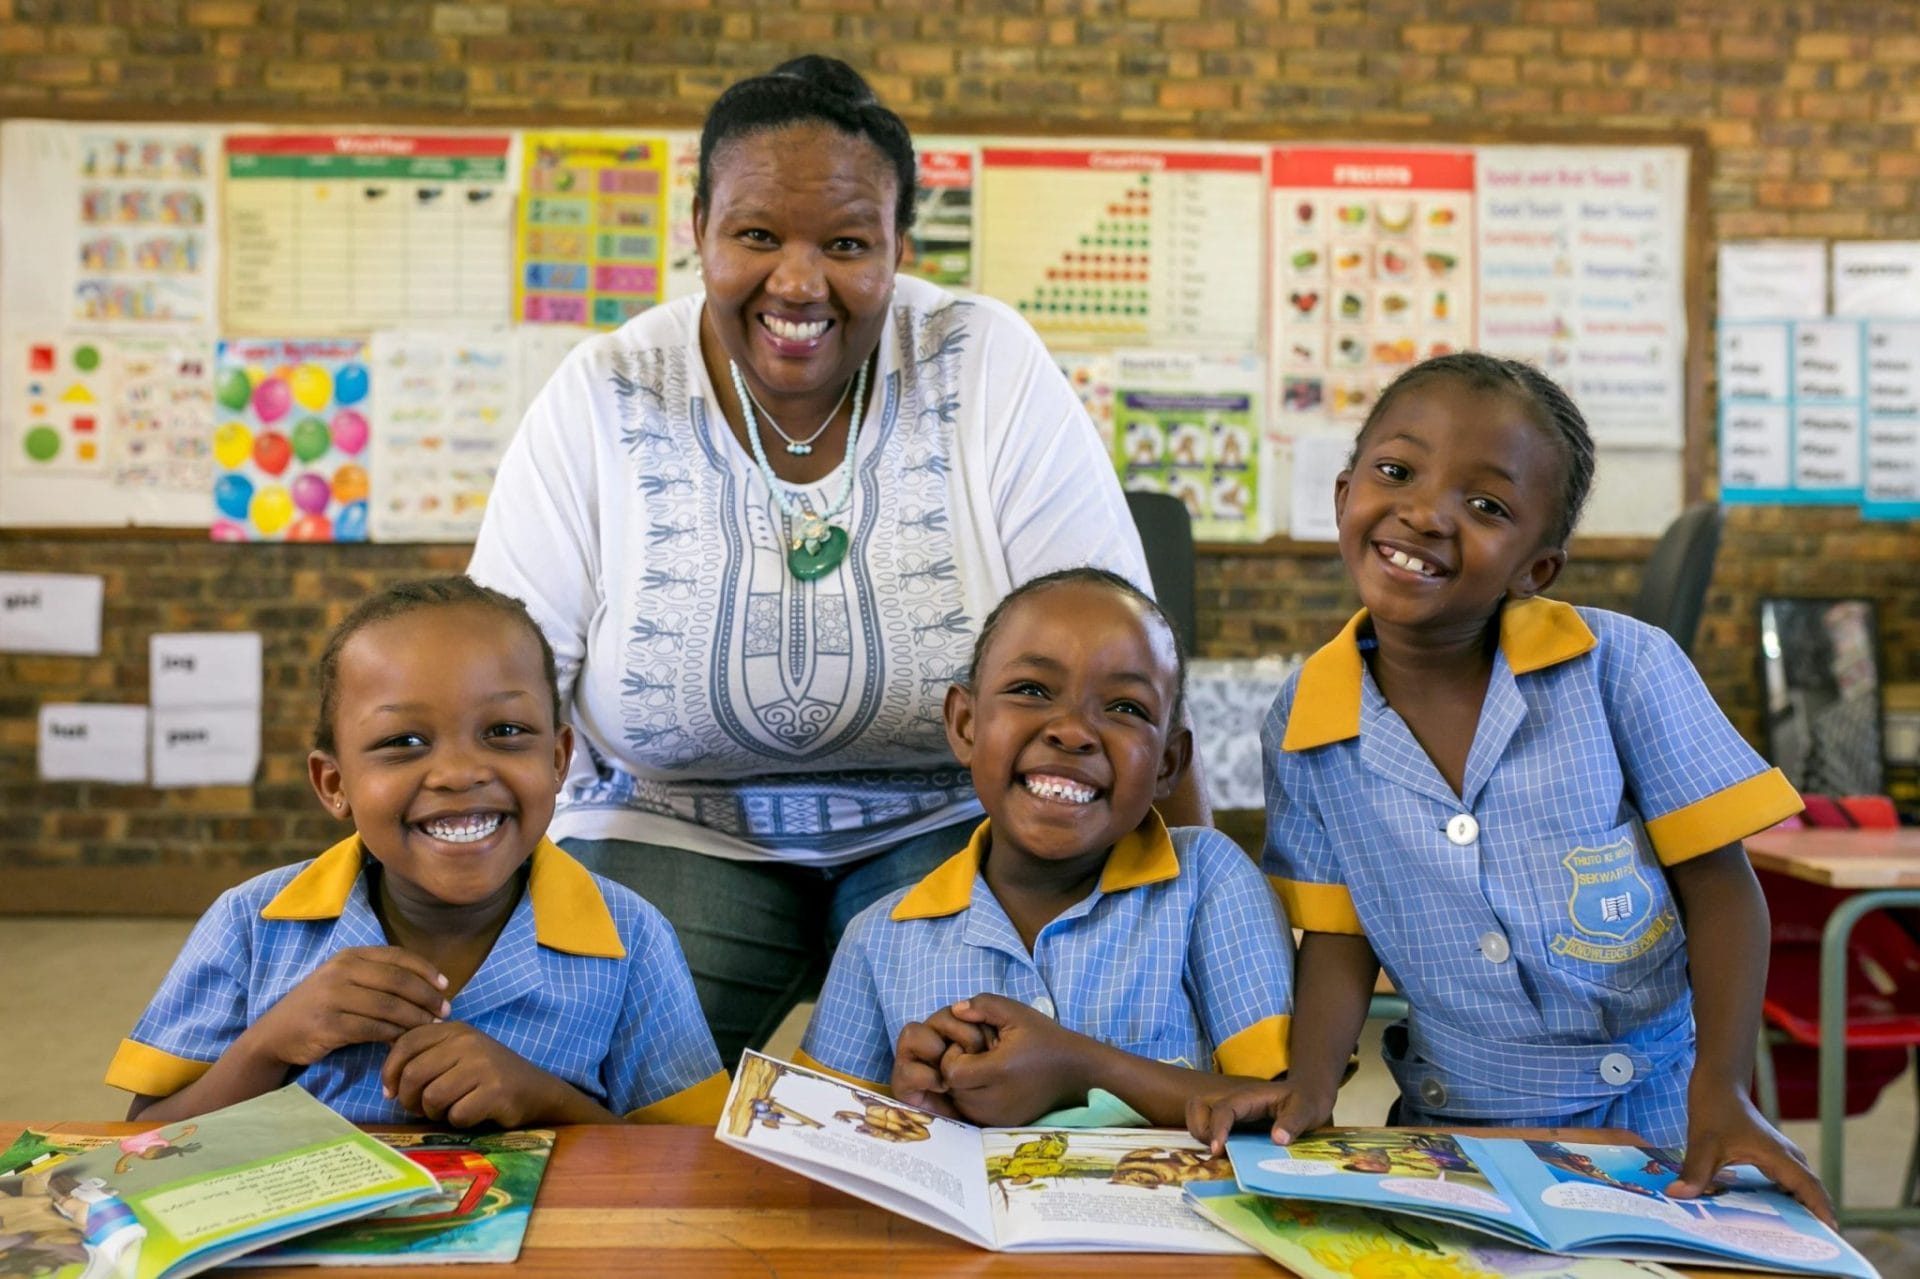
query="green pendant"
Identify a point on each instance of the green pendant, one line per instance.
(818, 551)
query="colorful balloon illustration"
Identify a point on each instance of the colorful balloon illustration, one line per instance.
(350, 483)
(310, 438)
(234, 390)
(272, 399)
(271, 452)
(232, 444)
(350, 383)
(350, 525)
(233, 495)
(312, 387)
(349, 431)
(310, 528)
(311, 494)
(228, 531)
(272, 509)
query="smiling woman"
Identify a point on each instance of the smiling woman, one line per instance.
(760, 526)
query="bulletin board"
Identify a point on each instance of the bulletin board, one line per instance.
(309, 332)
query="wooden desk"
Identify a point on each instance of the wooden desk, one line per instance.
(1883, 869)
(658, 1200)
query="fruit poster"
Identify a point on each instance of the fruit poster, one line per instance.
(343, 233)
(591, 241)
(1191, 425)
(446, 407)
(1112, 246)
(290, 451)
(1373, 271)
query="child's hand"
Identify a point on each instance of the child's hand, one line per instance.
(1726, 1129)
(365, 994)
(1293, 1110)
(918, 1078)
(454, 1074)
(1030, 1063)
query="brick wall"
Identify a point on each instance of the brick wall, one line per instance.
(1810, 111)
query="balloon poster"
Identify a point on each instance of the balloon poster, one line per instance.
(290, 447)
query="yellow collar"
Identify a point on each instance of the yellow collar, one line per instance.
(1142, 856)
(568, 911)
(1534, 634)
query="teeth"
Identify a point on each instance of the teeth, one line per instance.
(464, 830)
(1059, 789)
(794, 332)
(1407, 561)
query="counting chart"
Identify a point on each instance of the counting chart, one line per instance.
(1104, 247)
(339, 233)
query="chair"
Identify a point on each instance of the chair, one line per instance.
(1166, 531)
(1673, 590)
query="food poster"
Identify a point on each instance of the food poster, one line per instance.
(683, 182)
(105, 428)
(1112, 246)
(290, 451)
(109, 224)
(1583, 262)
(591, 243)
(940, 242)
(1373, 272)
(343, 233)
(446, 405)
(1190, 424)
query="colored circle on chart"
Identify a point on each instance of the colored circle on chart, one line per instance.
(228, 531)
(234, 390)
(271, 452)
(349, 431)
(350, 483)
(311, 493)
(310, 438)
(42, 443)
(233, 495)
(232, 444)
(272, 509)
(272, 399)
(312, 387)
(86, 358)
(310, 528)
(350, 383)
(350, 525)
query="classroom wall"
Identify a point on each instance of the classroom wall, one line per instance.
(1809, 110)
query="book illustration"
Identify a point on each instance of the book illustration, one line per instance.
(1416, 1165)
(156, 1144)
(1086, 1189)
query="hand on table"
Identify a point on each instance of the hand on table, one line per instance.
(1724, 1128)
(1291, 1109)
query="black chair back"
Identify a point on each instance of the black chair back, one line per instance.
(1166, 532)
(1673, 590)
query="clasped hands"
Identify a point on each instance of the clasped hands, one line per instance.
(992, 1061)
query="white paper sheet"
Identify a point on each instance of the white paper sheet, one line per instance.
(92, 743)
(1773, 280)
(1318, 460)
(201, 669)
(1876, 278)
(50, 613)
(217, 746)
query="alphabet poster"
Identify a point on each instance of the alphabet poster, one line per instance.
(591, 241)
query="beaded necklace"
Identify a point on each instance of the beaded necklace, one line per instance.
(819, 545)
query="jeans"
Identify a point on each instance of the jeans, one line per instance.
(758, 935)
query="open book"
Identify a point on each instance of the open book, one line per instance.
(187, 1196)
(1038, 1189)
(1582, 1200)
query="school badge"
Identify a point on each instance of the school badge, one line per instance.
(1610, 905)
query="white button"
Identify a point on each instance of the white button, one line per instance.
(1616, 1068)
(1434, 1093)
(1462, 829)
(1494, 947)
(1043, 1006)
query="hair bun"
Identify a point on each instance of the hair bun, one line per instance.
(830, 74)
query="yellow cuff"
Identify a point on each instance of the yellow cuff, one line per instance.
(1318, 908)
(801, 1058)
(699, 1104)
(148, 1072)
(1259, 1051)
(1719, 819)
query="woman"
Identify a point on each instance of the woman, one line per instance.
(760, 527)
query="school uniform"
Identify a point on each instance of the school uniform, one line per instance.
(1180, 954)
(1528, 919)
(586, 981)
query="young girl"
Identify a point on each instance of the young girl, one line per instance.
(445, 960)
(1513, 805)
(1076, 944)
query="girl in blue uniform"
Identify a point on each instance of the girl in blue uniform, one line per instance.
(1529, 814)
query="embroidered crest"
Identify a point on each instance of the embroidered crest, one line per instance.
(1610, 905)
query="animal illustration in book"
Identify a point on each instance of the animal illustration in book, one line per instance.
(157, 1144)
(1155, 1166)
(885, 1120)
(1424, 1155)
(754, 1102)
(1040, 1157)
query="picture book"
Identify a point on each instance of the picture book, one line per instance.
(1327, 1241)
(1566, 1197)
(187, 1196)
(1036, 1189)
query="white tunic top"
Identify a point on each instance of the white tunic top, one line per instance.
(720, 704)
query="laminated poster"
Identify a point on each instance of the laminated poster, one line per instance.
(335, 233)
(1111, 246)
(591, 241)
(940, 242)
(446, 407)
(683, 180)
(290, 452)
(1190, 425)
